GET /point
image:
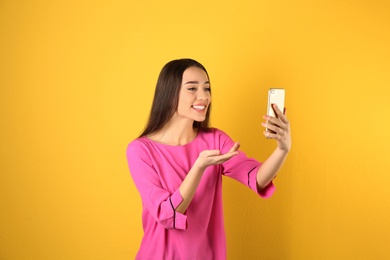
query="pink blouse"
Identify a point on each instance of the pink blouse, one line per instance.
(158, 170)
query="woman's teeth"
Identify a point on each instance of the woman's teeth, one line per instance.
(199, 107)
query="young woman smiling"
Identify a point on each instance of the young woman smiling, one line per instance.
(178, 162)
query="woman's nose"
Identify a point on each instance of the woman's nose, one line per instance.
(202, 95)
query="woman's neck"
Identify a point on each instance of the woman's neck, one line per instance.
(175, 133)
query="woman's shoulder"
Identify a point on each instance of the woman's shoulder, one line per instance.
(138, 145)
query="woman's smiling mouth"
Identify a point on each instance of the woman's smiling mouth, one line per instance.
(199, 107)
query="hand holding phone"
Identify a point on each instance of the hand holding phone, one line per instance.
(277, 125)
(275, 96)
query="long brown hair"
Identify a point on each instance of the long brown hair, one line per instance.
(166, 95)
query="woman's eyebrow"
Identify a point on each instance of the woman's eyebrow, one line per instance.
(196, 82)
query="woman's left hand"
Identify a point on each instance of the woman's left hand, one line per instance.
(280, 129)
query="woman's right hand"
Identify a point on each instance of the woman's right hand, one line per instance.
(191, 181)
(214, 157)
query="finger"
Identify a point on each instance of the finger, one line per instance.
(234, 147)
(224, 157)
(208, 153)
(279, 113)
(274, 124)
(270, 135)
(276, 109)
(218, 159)
(276, 121)
(274, 129)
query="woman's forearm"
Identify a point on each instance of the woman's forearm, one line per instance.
(270, 168)
(188, 187)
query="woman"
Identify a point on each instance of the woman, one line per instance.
(177, 165)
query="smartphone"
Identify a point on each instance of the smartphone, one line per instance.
(275, 96)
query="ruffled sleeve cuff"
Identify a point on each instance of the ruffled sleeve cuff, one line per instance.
(265, 193)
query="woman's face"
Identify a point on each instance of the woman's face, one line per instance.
(194, 96)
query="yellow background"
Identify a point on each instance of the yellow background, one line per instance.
(76, 85)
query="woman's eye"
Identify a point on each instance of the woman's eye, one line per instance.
(208, 89)
(192, 89)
